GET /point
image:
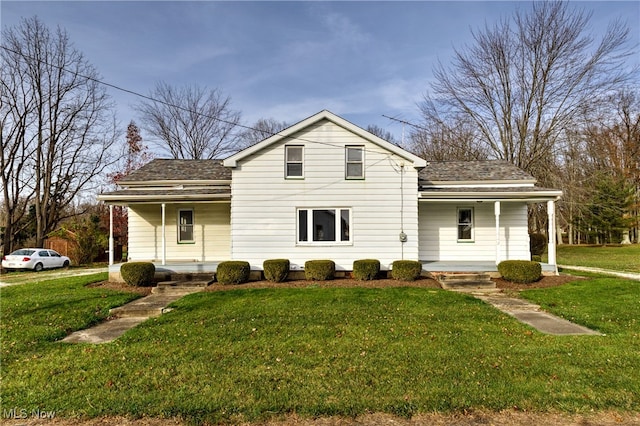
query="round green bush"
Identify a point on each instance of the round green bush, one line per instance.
(233, 272)
(138, 274)
(520, 271)
(276, 270)
(366, 269)
(406, 270)
(537, 244)
(319, 270)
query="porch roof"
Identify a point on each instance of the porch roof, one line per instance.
(128, 196)
(521, 193)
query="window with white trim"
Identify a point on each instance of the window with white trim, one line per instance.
(294, 161)
(319, 226)
(186, 226)
(354, 162)
(465, 224)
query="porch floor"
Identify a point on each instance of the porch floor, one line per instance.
(470, 266)
(427, 265)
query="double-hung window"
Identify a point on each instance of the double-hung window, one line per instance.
(354, 164)
(465, 224)
(294, 161)
(320, 226)
(185, 226)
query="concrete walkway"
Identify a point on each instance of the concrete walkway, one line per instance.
(533, 315)
(621, 274)
(128, 316)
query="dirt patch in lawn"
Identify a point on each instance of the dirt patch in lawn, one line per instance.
(502, 418)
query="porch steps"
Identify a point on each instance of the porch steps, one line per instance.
(161, 296)
(179, 287)
(465, 281)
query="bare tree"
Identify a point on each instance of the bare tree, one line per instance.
(383, 134)
(190, 122)
(57, 124)
(440, 141)
(527, 79)
(262, 129)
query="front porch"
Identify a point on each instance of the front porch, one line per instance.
(475, 266)
(190, 270)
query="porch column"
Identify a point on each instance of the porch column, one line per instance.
(110, 234)
(164, 240)
(496, 209)
(551, 246)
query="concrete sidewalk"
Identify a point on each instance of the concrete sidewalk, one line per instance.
(621, 274)
(533, 315)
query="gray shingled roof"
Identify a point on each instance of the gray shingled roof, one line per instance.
(171, 169)
(469, 171)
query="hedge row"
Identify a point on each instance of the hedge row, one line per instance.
(277, 270)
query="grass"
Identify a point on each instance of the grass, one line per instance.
(256, 354)
(619, 258)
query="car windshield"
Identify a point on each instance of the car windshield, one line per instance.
(23, 252)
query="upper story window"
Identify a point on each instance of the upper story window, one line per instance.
(354, 165)
(185, 226)
(294, 161)
(465, 224)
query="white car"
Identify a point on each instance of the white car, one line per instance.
(36, 259)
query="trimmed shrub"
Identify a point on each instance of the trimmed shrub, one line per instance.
(233, 272)
(537, 244)
(319, 270)
(366, 269)
(406, 270)
(138, 274)
(520, 271)
(276, 270)
(536, 258)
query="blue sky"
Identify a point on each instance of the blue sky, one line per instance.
(284, 60)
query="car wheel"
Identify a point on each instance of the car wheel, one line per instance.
(65, 264)
(38, 267)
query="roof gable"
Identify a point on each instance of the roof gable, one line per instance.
(233, 160)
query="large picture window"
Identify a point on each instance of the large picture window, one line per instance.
(324, 226)
(354, 167)
(465, 224)
(294, 161)
(185, 226)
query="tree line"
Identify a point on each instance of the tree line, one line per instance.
(536, 89)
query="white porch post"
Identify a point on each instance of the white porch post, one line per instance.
(111, 234)
(496, 208)
(164, 239)
(551, 247)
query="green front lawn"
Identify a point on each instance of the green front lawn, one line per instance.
(619, 258)
(255, 354)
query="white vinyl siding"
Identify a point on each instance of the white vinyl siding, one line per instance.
(439, 232)
(265, 206)
(211, 233)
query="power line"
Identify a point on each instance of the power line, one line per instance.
(152, 99)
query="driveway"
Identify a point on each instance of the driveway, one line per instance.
(15, 278)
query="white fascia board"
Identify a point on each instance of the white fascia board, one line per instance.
(160, 198)
(488, 196)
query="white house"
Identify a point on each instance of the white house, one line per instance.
(327, 189)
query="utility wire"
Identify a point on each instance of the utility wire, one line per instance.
(152, 99)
